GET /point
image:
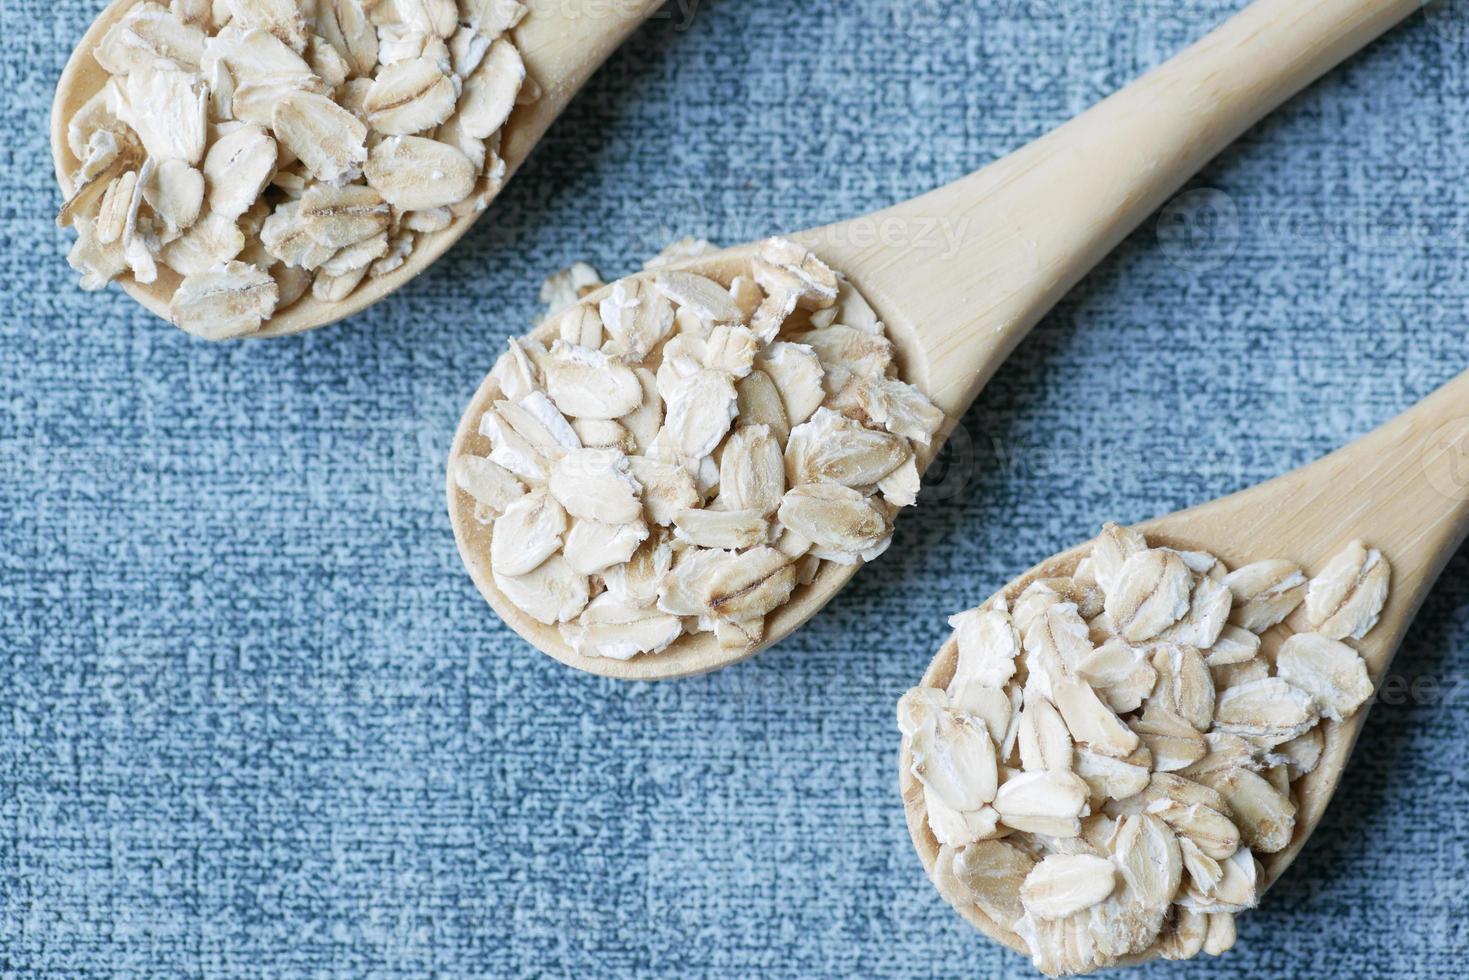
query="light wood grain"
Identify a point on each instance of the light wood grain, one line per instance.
(1403, 488)
(562, 41)
(1022, 232)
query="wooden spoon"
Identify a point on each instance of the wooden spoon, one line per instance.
(562, 42)
(1404, 489)
(961, 274)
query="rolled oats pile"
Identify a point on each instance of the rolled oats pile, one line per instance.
(682, 455)
(262, 148)
(1116, 748)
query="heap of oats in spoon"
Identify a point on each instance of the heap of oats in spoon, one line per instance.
(1114, 750)
(261, 148)
(682, 455)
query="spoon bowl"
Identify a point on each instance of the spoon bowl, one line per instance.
(695, 654)
(1404, 487)
(562, 45)
(960, 275)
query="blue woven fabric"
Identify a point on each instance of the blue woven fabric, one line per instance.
(255, 721)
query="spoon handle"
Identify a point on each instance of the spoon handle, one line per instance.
(563, 43)
(1403, 488)
(1021, 232)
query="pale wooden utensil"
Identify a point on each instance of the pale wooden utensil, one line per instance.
(562, 42)
(1403, 488)
(1024, 230)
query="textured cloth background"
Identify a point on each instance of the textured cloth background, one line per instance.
(255, 721)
